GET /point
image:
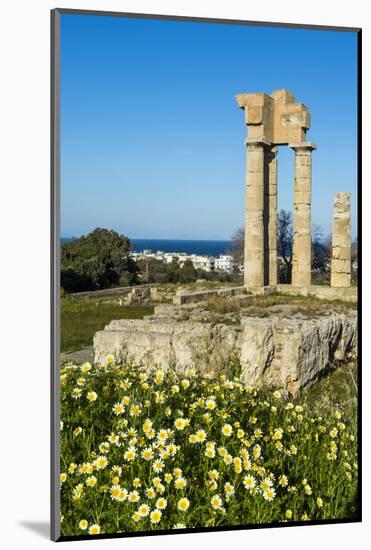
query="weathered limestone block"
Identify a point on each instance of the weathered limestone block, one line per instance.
(138, 295)
(290, 353)
(270, 221)
(258, 114)
(134, 341)
(254, 223)
(341, 267)
(204, 347)
(302, 245)
(283, 353)
(275, 117)
(340, 280)
(185, 344)
(257, 350)
(183, 297)
(302, 197)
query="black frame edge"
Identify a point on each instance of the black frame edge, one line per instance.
(359, 267)
(54, 280)
(199, 19)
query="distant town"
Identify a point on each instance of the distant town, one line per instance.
(224, 262)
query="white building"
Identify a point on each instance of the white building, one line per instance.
(206, 263)
(170, 257)
(225, 263)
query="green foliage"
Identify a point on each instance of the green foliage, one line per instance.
(138, 441)
(80, 320)
(235, 277)
(96, 261)
(188, 274)
(337, 387)
(161, 272)
(158, 271)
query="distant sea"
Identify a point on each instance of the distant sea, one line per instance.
(207, 248)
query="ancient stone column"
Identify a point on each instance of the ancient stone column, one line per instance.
(302, 245)
(254, 222)
(273, 120)
(270, 218)
(341, 242)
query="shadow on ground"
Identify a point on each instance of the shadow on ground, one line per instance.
(42, 528)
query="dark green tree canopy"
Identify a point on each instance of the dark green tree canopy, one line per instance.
(161, 272)
(188, 274)
(96, 261)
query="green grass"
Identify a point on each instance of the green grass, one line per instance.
(81, 320)
(337, 387)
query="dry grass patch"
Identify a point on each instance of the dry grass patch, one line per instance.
(263, 306)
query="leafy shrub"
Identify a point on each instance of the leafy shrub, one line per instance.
(96, 261)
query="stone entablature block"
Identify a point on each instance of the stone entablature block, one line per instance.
(276, 118)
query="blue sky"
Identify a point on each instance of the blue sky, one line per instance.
(152, 140)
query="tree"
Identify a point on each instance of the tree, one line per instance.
(174, 271)
(73, 281)
(237, 245)
(188, 274)
(321, 249)
(285, 235)
(321, 256)
(284, 245)
(158, 271)
(96, 261)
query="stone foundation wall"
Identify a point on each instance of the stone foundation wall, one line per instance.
(279, 353)
(347, 294)
(139, 294)
(183, 297)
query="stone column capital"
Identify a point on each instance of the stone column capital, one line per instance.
(305, 145)
(258, 141)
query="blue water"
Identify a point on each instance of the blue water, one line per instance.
(208, 248)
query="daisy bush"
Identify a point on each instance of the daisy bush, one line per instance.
(149, 450)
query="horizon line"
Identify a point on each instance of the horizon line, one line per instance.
(152, 238)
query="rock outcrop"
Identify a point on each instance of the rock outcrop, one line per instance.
(284, 353)
(291, 353)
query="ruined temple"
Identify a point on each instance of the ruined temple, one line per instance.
(273, 120)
